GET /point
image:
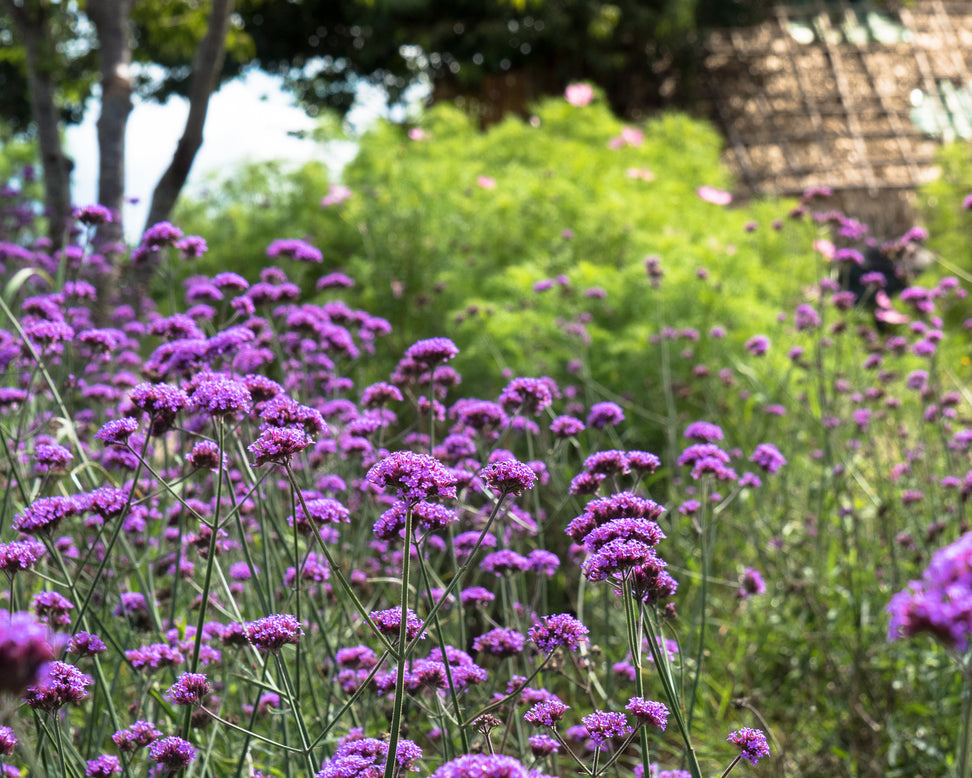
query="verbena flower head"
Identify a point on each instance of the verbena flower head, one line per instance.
(364, 757)
(605, 414)
(139, 735)
(703, 432)
(25, 651)
(940, 603)
(432, 351)
(19, 555)
(278, 444)
(500, 642)
(271, 633)
(52, 608)
(768, 457)
(295, 249)
(605, 726)
(414, 476)
(483, 766)
(750, 583)
(649, 712)
(546, 713)
(45, 514)
(172, 753)
(104, 766)
(561, 629)
(117, 431)
(752, 744)
(189, 689)
(8, 741)
(389, 622)
(527, 395)
(86, 644)
(508, 477)
(543, 745)
(65, 685)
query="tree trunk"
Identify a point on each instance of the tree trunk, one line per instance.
(32, 23)
(205, 74)
(111, 20)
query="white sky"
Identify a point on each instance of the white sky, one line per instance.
(248, 120)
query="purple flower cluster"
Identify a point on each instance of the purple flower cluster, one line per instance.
(271, 633)
(605, 726)
(751, 742)
(414, 476)
(364, 757)
(25, 652)
(940, 603)
(562, 629)
(64, 685)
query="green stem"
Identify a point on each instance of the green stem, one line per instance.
(399, 704)
(964, 761)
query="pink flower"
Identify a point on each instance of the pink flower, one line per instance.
(486, 182)
(579, 94)
(967, 202)
(630, 136)
(335, 194)
(643, 173)
(715, 196)
(825, 247)
(417, 134)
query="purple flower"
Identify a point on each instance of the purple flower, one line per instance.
(504, 562)
(51, 458)
(752, 744)
(104, 766)
(189, 689)
(527, 395)
(607, 463)
(154, 656)
(543, 745)
(617, 556)
(92, 215)
(139, 735)
(483, 766)
(500, 642)
(278, 445)
(567, 426)
(605, 414)
(940, 603)
(648, 712)
(161, 234)
(508, 477)
(65, 684)
(172, 753)
(19, 555)
(561, 629)
(363, 757)
(703, 432)
(758, 345)
(298, 250)
(476, 596)
(220, 397)
(414, 476)
(643, 530)
(271, 633)
(768, 457)
(86, 644)
(546, 713)
(52, 608)
(117, 431)
(543, 562)
(45, 514)
(750, 583)
(25, 651)
(205, 455)
(389, 623)
(605, 726)
(432, 351)
(8, 741)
